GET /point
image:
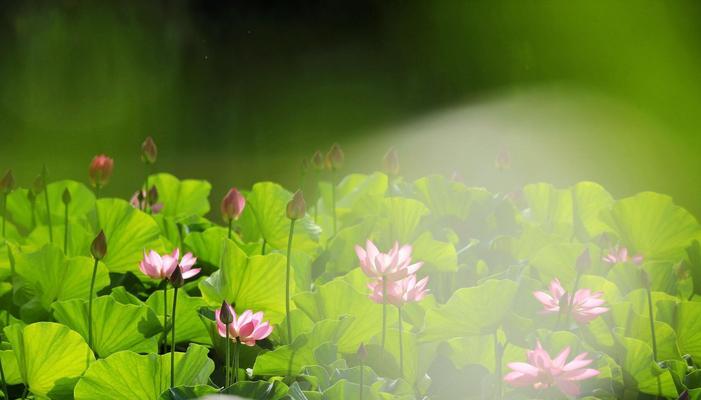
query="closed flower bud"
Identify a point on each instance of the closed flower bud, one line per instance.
(391, 162)
(583, 261)
(7, 183)
(232, 205)
(318, 161)
(38, 185)
(334, 158)
(362, 352)
(66, 196)
(152, 196)
(149, 151)
(98, 249)
(176, 278)
(100, 170)
(225, 315)
(296, 208)
(31, 196)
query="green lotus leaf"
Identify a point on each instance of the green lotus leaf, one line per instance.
(258, 390)
(10, 367)
(693, 254)
(51, 358)
(129, 232)
(336, 299)
(549, 208)
(289, 359)
(189, 327)
(687, 325)
(589, 200)
(116, 326)
(341, 248)
(128, 375)
(357, 196)
(187, 392)
(82, 202)
(256, 283)
(181, 198)
(445, 197)
(207, 245)
(652, 225)
(436, 255)
(637, 326)
(557, 260)
(471, 311)
(403, 219)
(645, 375)
(79, 237)
(51, 276)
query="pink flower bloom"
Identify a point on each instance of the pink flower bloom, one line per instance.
(619, 254)
(232, 205)
(542, 372)
(393, 265)
(100, 170)
(399, 292)
(584, 306)
(161, 267)
(141, 205)
(247, 327)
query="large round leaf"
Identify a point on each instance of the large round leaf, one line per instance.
(50, 356)
(448, 198)
(181, 198)
(652, 225)
(116, 326)
(189, 327)
(127, 375)
(82, 202)
(129, 232)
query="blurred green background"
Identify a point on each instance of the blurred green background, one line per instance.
(236, 92)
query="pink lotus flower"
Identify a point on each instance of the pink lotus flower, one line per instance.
(399, 292)
(141, 205)
(247, 327)
(393, 265)
(619, 254)
(100, 170)
(161, 267)
(542, 372)
(232, 205)
(584, 306)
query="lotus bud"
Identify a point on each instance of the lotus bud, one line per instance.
(583, 261)
(318, 161)
(31, 196)
(503, 160)
(684, 395)
(100, 170)
(334, 158)
(296, 208)
(232, 205)
(149, 151)
(225, 315)
(152, 195)
(391, 162)
(7, 183)
(176, 278)
(38, 185)
(98, 249)
(362, 352)
(66, 196)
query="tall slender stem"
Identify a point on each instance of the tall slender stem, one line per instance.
(362, 384)
(498, 353)
(571, 299)
(172, 340)
(401, 344)
(317, 196)
(65, 231)
(165, 315)
(287, 281)
(4, 215)
(228, 357)
(333, 200)
(4, 383)
(652, 323)
(97, 197)
(90, 301)
(231, 221)
(48, 213)
(146, 202)
(384, 312)
(236, 360)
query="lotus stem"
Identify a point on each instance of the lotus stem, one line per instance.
(48, 213)
(90, 301)
(231, 221)
(228, 358)
(571, 299)
(317, 196)
(4, 216)
(652, 322)
(236, 360)
(165, 316)
(97, 197)
(498, 353)
(362, 384)
(384, 312)
(287, 281)
(146, 203)
(65, 231)
(401, 344)
(172, 339)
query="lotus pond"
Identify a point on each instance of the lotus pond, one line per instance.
(352, 287)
